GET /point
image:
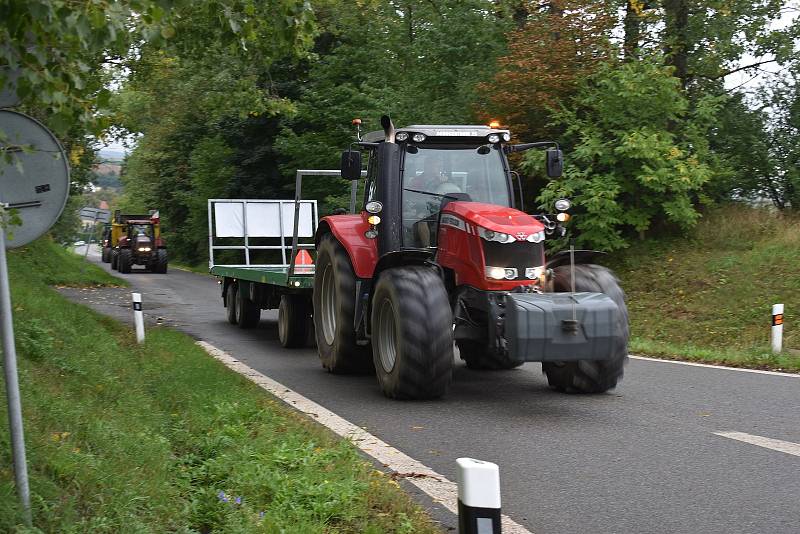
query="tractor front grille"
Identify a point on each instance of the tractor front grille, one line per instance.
(519, 254)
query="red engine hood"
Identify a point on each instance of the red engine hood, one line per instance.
(497, 218)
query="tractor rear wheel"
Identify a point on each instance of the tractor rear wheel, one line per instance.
(161, 261)
(294, 314)
(114, 260)
(230, 303)
(105, 255)
(124, 260)
(334, 309)
(591, 376)
(412, 334)
(247, 312)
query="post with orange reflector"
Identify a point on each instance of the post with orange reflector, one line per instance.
(777, 328)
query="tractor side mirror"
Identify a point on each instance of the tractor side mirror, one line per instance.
(351, 164)
(555, 162)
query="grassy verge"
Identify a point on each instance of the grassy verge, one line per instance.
(708, 297)
(160, 437)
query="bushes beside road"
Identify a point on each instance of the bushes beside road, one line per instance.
(161, 437)
(708, 296)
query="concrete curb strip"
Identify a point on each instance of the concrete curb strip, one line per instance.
(439, 488)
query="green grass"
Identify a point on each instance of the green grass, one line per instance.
(163, 438)
(709, 296)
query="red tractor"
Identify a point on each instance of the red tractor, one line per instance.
(440, 253)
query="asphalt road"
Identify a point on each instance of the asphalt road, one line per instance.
(641, 459)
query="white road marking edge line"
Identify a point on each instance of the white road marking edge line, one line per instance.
(722, 367)
(768, 443)
(432, 483)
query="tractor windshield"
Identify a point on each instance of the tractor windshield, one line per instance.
(434, 174)
(141, 230)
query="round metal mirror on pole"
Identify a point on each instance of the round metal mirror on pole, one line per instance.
(34, 185)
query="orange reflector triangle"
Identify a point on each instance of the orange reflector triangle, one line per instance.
(303, 258)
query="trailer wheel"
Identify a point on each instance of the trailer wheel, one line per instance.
(114, 260)
(412, 334)
(480, 356)
(294, 314)
(124, 260)
(230, 303)
(591, 376)
(247, 312)
(334, 307)
(161, 261)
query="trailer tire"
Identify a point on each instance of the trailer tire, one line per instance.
(161, 261)
(294, 314)
(114, 260)
(479, 356)
(412, 333)
(591, 376)
(248, 314)
(334, 303)
(230, 303)
(124, 260)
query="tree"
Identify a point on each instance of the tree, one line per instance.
(637, 153)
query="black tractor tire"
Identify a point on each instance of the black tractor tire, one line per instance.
(478, 356)
(248, 314)
(125, 260)
(105, 255)
(294, 316)
(230, 303)
(334, 303)
(412, 333)
(114, 260)
(160, 264)
(591, 376)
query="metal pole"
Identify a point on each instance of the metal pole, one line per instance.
(12, 387)
(91, 233)
(777, 328)
(138, 317)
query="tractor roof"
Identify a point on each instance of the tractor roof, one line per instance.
(442, 132)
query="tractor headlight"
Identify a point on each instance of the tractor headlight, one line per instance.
(493, 138)
(418, 137)
(144, 249)
(538, 237)
(501, 273)
(491, 235)
(402, 136)
(374, 207)
(506, 137)
(534, 272)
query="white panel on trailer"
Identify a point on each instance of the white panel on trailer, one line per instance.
(262, 220)
(305, 222)
(229, 219)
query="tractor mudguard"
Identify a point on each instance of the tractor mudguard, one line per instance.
(349, 231)
(539, 326)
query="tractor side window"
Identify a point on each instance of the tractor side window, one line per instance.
(434, 174)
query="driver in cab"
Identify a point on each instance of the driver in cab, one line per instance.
(433, 184)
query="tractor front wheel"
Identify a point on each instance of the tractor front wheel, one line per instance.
(294, 314)
(591, 376)
(105, 255)
(114, 260)
(161, 261)
(412, 334)
(125, 260)
(334, 309)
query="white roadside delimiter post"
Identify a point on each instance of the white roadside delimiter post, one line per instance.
(777, 328)
(478, 497)
(138, 317)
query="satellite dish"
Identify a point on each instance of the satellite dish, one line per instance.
(36, 183)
